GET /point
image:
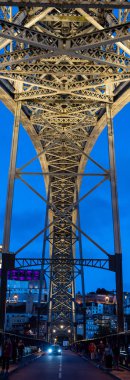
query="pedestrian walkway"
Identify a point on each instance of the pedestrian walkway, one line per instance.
(27, 359)
(121, 374)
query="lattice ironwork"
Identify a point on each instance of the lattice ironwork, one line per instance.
(70, 3)
(93, 263)
(57, 65)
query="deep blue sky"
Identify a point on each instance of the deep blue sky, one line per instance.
(96, 219)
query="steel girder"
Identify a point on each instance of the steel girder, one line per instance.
(94, 263)
(103, 37)
(104, 4)
(64, 79)
(46, 92)
(98, 56)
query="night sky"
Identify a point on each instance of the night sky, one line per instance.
(96, 217)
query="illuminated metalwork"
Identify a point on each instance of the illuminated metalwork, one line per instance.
(70, 3)
(64, 72)
(94, 263)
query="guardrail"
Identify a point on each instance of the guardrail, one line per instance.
(122, 340)
(30, 344)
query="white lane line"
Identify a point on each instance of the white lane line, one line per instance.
(60, 368)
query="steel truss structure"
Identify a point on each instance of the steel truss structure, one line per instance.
(94, 263)
(64, 72)
(104, 4)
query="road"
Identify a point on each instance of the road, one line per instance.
(68, 366)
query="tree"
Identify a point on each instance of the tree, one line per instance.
(102, 291)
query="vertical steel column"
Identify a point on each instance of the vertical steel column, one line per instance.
(43, 256)
(73, 322)
(81, 268)
(49, 327)
(116, 222)
(73, 312)
(49, 324)
(10, 192)
(8, 214)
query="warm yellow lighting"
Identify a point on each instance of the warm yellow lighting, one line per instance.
(15, 297)
(61, 326)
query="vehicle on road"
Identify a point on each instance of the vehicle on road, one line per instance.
(54, 350)
(65, 344)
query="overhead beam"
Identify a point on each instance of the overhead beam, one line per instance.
(70, 4)
(103, 37)
(94, 263)
(36, 80)
(38, 17)
(97, 56)
(92, 95)
(98, 26)
(26, 35)
(60, 69)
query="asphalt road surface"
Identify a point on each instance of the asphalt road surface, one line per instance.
(67, 366)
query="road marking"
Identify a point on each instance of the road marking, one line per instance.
(60, 368)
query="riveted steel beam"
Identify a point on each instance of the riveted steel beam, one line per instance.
(102, 37)
(30, 262)
(92, 95)
(51, 58)
(70, 4)
(91, 40)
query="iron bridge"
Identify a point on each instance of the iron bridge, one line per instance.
(64, 73)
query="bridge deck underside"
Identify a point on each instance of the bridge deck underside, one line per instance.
(64, 58)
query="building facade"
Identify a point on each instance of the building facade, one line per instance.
(22, 300)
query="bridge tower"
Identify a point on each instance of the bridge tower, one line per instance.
(64, 73)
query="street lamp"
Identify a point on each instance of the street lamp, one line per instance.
(69, 331)
(61, 326)
(1, 247)
(54, 331)
(15, 297)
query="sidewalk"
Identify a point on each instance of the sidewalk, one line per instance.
(25, 361)
(121, 374)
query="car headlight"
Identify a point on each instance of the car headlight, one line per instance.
(50, 350)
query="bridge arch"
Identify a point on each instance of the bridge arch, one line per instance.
(65, 77)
